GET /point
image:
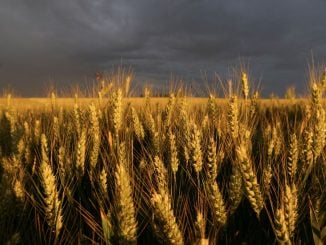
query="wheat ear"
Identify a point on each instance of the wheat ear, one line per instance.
(106, 226)
(96, 137)
(280, 228)
(195, 147)
(81, 152)
(200, 227)
(52, 206)
(235, 188)
(245, 85)
(169, 110)
(217, 203)
(290, 207)
(292, 157)
(233, 120)
(117, 111)
(250, 180)
(137, 125)
(126, 213)
(319, 125)
(173, 153)
(165, 219)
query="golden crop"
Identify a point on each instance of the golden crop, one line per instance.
(174, 170)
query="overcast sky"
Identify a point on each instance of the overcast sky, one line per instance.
(67, 41)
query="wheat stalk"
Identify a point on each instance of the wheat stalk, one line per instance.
(267, 177)
(254, 104)
(233, 114)
(217, 203)
(153, 134)
(185, 129)
(307, 153)
(37, 130)
(137, 125)
(200, 227)
(117, 111)
(53, 100)
(319, 128)
(230, 88)
(106, 226)
(76, 118)
(127, 85)
(280, 227)
(81, 152)
(292, 159)
(160, 174)
(277, 135)
(245, 85)
(174, 161)
(323, 80)
(169, 110)
(96, 137)
(21, 148)
(195, 148)
(56, 129)
(165, 219)
(53, 209)
(286, 216)
(212, 109)
(250, 180)
(126, 213)
(212, 160)
(290, 207)
(103, 181)
(235, 188)
(9, 97)
(147, 95)
(62, 162)
(18, 189)
(45, 147)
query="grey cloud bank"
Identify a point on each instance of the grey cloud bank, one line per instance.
(66, 41)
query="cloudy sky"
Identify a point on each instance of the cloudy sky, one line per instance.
(65, 42)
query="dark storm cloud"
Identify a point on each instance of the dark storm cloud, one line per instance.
(68, 40)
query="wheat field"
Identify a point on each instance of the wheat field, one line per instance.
(176, 170)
